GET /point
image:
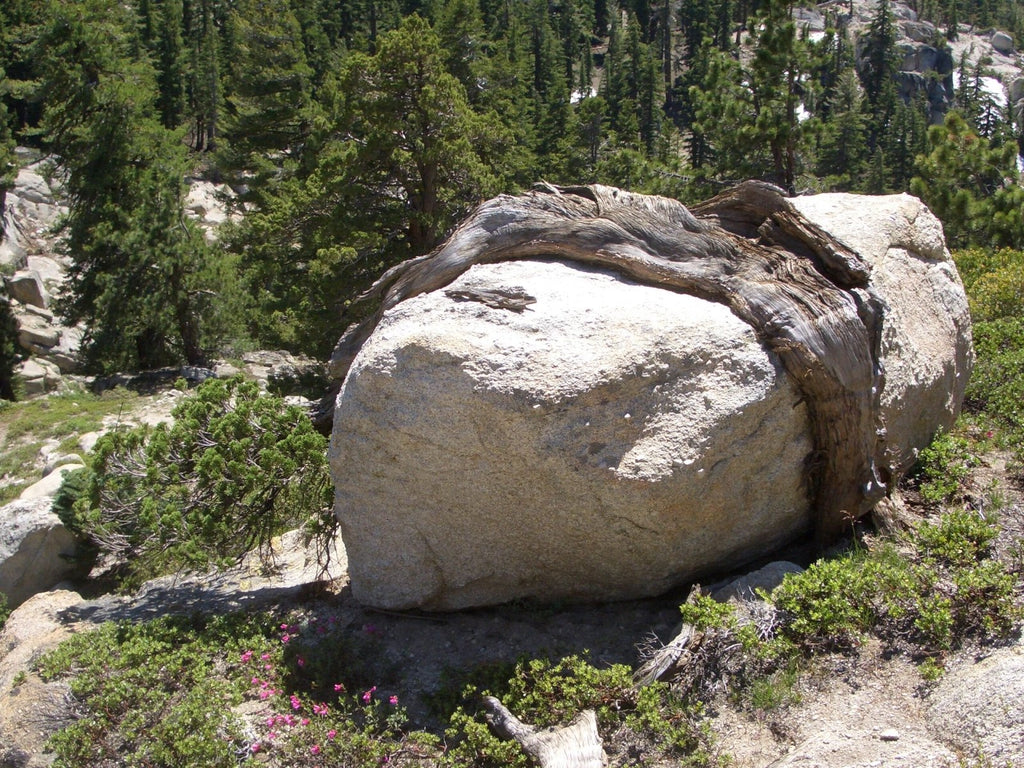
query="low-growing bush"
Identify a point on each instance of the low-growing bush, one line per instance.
(943, 468)
(206, 692)
(235, 469)
(924, 596)
(996, 389)
(543, 693)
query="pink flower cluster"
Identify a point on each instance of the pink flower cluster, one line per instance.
(266, 681)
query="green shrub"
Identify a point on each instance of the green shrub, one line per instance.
(546, 693)
(993, 280)
(828, 606)
(944, 467)
(234, 470)
(940, 589)
(151, 693)
(996, 388)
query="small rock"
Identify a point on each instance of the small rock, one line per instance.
(1016, 89)
(1002, 43)
(38, 376)
(890, 734)
(87, 441)
(746, 587)
(34, 331)
(59, 461)
(50, 484)
(26, 286)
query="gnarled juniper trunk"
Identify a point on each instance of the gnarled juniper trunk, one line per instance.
(805, 294)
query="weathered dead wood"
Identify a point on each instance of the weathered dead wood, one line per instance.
(805, 294)
(577, 745)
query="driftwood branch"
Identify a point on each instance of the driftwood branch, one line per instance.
(577, 745)
(804, 293)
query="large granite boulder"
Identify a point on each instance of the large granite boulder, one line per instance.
(551, 429)
(36, 550)
(498, 454)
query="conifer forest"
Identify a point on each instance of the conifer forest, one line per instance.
(355, 133)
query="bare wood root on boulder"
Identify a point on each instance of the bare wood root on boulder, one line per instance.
(577, 745)
(805, 294)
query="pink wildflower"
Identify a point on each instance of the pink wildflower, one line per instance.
(393, 701)
(270, 721)
(320, 709)
(296, 704)
(305, 721)
(264, 656)
(300, 661)
(331, 734)
(284, 626)
(285, 637)
(315, 749)
(264, 694)
(338, 687)
(254, 747)
(367, 695)
(246, 656)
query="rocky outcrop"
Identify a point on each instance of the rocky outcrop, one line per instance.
(26, 286)
(976, 707)
(541, 429)
(35, 548)
(929, 71)
(30, 213)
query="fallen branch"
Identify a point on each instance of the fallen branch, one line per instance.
(577, 745)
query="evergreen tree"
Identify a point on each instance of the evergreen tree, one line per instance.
(171, 64)
(10, 352)
(135, 261)
(267, 108)
(375, 195)
(880, 48)
(906, 138)
(8, 166)
(843, 144)
(460, 29)
(750, 117)
(972, 186)
(204, 74)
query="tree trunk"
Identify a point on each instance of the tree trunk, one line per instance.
(805, 294)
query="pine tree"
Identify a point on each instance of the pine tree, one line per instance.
(972, 186)
(375, 195)
(267, 107)
(171, 64)
(460, 28)
(880, 61)
(8, 166)
(843, 144)
(135, 261)
(204, 74)
(10, 354)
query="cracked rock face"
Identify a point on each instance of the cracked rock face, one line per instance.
(610, 441)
